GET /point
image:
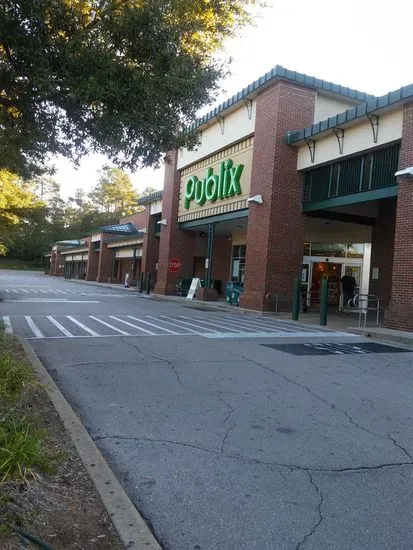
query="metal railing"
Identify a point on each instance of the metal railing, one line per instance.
(362, 304)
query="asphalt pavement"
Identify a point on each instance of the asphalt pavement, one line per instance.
(231, 431)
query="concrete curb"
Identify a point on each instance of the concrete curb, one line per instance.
(130, 526)
(389, 335)
(118, 286)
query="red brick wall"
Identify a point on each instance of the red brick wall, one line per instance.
(399, 315)
(105, 263)
(92, 263)
(173, 243)
(382, 250)
(140, 219)
(276, 228)
(221, 259)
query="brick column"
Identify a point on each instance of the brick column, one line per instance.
(173, 243)
(221, 260)
(92, 263)
(53, 259)
(105, 263)
(399, 314)
(150, 247)
(57, 260)
(382, 245)
(275, 238)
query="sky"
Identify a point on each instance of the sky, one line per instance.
(363, 44)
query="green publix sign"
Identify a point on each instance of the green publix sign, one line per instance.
(213, 186)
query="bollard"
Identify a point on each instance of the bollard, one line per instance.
(141, 282)
(323, 302)
(296, 299)
(148, 283)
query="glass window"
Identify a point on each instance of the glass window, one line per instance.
(337, 250)
(238, 264)
(355, 250)
(307, 249)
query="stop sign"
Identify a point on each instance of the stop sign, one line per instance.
(174, 265)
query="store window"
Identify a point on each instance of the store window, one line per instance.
(238, 264)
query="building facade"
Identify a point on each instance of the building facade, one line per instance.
(292, 177)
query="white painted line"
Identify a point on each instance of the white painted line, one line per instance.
(14, 290)
(34, 291)
(237, 323)
(82, 326)
(173, 324)
(59, 326)
(8, 291)
(198, 320)
(186, 323)
(26, 291)
(55, 301)
(110, 326)
(132, 325)
(6, 321)
(153, 325)
(44, 291)
(278, 335)
(60, 291)
(107, 336)
(278, 326)
(35, 329)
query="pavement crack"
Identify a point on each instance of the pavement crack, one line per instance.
(152, 440)
(227, 417)
(158, 358)
(320, 515)
(333, 406)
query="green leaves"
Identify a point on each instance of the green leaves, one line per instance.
(121, 78)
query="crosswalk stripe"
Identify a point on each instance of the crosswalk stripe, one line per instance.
(60, 291)
(198, 320)
(248, 325)
(14, 290)
(173, 324)
(186, 323)
(108, 325)
(35, 329)
(132, 325)
(238, 323)
(6, 321)
(8, 291)
(34, 291)
(82, 326)
(153, 325)
(274, 327)
(26, 291)
(59, 326)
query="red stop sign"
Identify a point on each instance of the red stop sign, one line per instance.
(174, 265)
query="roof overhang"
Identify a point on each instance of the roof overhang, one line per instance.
(353, 116)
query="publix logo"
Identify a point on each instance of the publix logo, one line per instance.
(214, 186)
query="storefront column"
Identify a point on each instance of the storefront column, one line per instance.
(92, 263)
(105, 262)
(210, 254)
(275, 238)
(399, 314)
(174, 243)
(382, 245)
(150, 246)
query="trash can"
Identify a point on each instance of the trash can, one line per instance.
(233, 292)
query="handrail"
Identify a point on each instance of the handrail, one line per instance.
(362, 304)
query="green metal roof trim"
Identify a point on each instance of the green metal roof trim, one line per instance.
(138, 234)
(281, 72)
(157, 195)
(120, 228)
(73, 242)
(366, 108)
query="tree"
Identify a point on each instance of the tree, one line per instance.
(115, 76)
(18, 203)
(114, 192)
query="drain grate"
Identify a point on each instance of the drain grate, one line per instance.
(336, 349)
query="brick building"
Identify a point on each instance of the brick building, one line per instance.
(295, 177)
(113, 253)
(292, 177)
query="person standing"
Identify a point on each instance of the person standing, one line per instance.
(348, 286)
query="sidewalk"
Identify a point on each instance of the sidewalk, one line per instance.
(118, 286)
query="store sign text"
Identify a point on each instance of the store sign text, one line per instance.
(214, 186)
